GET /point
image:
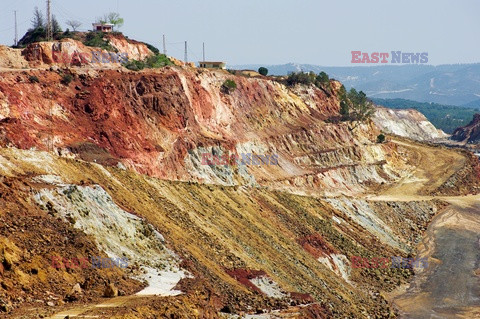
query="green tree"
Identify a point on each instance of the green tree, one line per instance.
(38, 21)
(55, 25)
(344, 105)
(322, 77)
(363, 108)
(113, 18)
(355, 106)
(263, 71)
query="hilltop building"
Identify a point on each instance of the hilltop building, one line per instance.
(102, 27)
(213, 65)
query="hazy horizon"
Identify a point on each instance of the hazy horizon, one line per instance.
(261, 32)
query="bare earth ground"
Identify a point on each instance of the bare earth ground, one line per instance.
(449, 285)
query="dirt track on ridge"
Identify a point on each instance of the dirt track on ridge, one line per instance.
(433, 166)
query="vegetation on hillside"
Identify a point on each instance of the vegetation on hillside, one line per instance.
(38, 31)
(152, 48)
(38, 20)
(229, 86)
(380, 138)
(445, 117)
(322, 81)
(355, 106)
(66, 79)
(152, 62)
(33, 79)
(96, 39)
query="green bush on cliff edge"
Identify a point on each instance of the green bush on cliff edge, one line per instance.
(152, 62)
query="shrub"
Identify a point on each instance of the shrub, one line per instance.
(157, 61)
(322, 81)
(229, 86)
(33, 79)
(152, 62)
(95, 39)
(300, 78)
(152, 48)
(66, 79)
(134, 65)
(380, 138)
(32, 35)
(263, 71)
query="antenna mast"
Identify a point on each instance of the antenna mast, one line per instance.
(203, 51)
(16, 30)
(186, 55)
(164, 46)
(49, 22)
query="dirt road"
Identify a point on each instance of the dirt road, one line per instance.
(450, 286)
(432, 168)
(82, 311)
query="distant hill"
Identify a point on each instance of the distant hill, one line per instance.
(452, 84)
(444, 117)
(473, 104)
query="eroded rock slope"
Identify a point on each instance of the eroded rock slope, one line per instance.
(110, 164)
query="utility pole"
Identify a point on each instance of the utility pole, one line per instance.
(49, 22)
(186, 55)
(203, 51)
(16, 30)
(164, 46)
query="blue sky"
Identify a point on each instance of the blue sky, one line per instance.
(279, 31)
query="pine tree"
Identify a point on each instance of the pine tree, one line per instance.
(355, 106)
(55, 25)
(38, 21)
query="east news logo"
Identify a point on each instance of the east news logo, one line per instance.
(396, 57)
